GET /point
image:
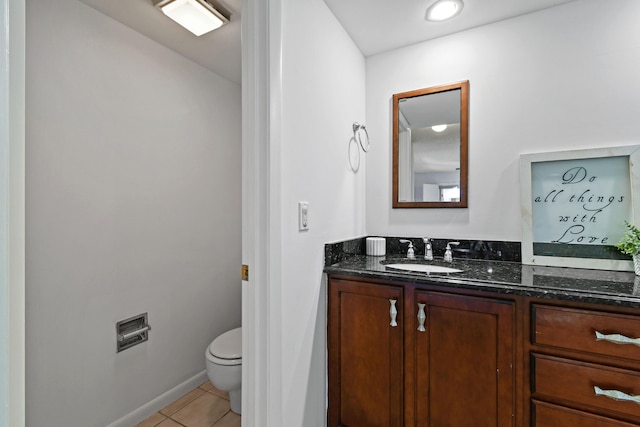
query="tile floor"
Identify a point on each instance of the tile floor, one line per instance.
(206, 406)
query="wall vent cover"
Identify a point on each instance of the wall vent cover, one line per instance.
(132, 331)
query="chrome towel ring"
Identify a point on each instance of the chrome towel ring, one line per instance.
(358, 139)
(357, 135)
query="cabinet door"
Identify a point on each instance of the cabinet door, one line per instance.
(365, 355)
(464, 362)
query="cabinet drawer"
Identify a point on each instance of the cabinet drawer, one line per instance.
(572, 381)
(548, 415)
(577, 330)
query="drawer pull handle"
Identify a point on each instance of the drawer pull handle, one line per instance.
(616, 395)
(421, 317)
(617, 339)
(393, 312)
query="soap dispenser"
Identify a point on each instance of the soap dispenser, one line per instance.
(448, 254)
(410, 252)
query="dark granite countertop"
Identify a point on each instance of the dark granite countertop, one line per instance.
(615, 288)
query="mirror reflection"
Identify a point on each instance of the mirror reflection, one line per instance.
(430, 147)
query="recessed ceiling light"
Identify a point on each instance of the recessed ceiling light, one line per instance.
(442, 10)
(438, 128)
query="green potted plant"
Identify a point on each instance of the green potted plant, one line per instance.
(630, 245)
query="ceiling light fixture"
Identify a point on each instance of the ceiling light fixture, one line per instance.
(438, 128)
(197, 16)
(442, 10)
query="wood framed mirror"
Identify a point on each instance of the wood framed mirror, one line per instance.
(431, 146)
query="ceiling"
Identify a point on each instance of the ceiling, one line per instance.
(218, 50)
(376, 26)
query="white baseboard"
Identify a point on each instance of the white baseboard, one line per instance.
(153, 406)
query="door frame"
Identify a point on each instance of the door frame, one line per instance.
(261, 230)
(12, 213)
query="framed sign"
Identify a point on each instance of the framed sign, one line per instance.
(575, 204)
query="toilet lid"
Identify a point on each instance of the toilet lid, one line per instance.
(228, 345)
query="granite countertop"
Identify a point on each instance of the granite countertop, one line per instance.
(615, 288)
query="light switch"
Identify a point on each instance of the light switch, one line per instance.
(303, 216)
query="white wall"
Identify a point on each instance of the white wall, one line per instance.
(562, 78)
(133, 205)
(323, 93)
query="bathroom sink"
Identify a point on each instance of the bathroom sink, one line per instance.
(423, 268)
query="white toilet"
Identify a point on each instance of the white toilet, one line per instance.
(224, 365)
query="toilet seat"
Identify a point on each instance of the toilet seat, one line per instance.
(227, 348)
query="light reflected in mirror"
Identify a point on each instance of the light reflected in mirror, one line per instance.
(430, 146)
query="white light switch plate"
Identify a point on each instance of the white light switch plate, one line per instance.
(303, 216)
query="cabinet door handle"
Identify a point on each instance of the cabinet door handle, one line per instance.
(421, 317)
(617, 339)
(616, 395)
(393, 312)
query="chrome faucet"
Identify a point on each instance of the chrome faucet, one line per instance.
(410, 252)
(428, 250)
(448, 254)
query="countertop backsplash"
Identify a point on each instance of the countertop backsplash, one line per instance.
(468, 249)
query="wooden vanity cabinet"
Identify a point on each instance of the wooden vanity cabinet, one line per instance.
(459, 358)
(449, 361)
(584, 365)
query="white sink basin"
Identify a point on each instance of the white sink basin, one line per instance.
(423, 268)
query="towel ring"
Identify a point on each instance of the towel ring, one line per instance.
(357, 135)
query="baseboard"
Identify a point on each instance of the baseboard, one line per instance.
(153, 406)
